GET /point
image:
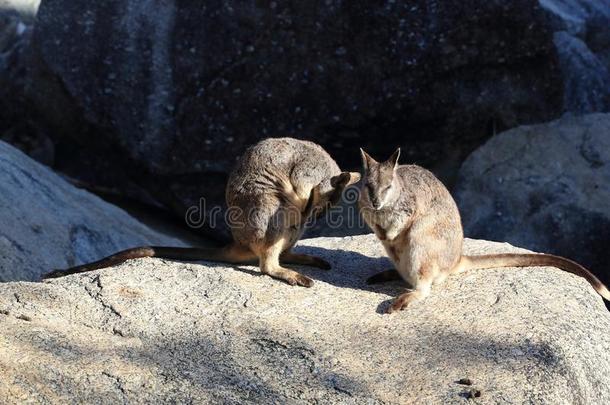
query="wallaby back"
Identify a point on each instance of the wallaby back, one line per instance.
(272, 185)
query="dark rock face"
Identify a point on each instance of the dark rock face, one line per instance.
(544, 187)
(582, 38)
(586, 77)
(156, 99)
(18, 124)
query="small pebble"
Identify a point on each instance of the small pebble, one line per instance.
(465, 381)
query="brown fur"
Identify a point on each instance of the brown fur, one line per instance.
(276, 187)
(420, 227)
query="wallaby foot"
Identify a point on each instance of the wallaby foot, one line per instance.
(386, 275)
(403, 300)
(270, 264)
(289, 276)
(306, 260)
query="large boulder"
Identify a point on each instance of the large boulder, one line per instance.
(156, 99)
(545, 187)
(155, 331)
(582, 38)
(46, 223)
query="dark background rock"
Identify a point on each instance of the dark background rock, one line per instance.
(155, 100)
(545, 187)
(19, 124)
(582, 38)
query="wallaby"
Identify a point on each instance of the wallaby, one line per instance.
(419, 225)
(276, 187)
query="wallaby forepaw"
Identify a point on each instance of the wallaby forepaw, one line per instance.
(387, 275)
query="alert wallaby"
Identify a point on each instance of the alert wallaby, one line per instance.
(419, 225)
(277, 185)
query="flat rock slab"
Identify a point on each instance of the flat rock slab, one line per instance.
(159, 331)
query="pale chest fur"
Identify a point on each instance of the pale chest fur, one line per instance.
(387, 224)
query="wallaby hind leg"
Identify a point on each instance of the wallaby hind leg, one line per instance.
(270, 264)
(306, 260)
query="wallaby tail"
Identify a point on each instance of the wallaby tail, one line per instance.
(228, 254)
(527, 260)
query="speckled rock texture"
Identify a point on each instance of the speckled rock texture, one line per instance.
(47, 223)
(582, 38)
(545, 187)
(174, 91)
(157, 331)
(18, 123)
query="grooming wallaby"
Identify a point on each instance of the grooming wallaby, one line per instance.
(419, 225)
(277, 185)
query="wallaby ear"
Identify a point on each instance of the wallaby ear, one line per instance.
(367, 160)
(393, 160)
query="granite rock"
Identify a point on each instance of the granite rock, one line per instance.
(157, 331)
(47, 223)
(545, 187)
